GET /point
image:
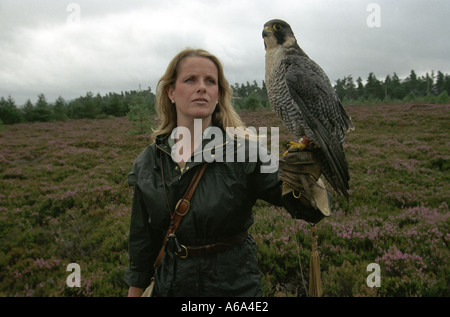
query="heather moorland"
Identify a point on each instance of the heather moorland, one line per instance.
(64, 198)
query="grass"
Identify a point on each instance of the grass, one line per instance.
(64, 198)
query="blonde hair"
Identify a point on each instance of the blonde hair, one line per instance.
(224, 115)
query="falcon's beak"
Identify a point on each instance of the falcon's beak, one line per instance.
(266, 31)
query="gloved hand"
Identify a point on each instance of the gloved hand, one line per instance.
(304, 192)
(300, 170)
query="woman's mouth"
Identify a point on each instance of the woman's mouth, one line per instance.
(200, 100)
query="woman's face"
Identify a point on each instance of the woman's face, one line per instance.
(196, 90)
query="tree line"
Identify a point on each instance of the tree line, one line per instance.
(432, 88)
(89, 106)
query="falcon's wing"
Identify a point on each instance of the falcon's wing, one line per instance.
(321, 109)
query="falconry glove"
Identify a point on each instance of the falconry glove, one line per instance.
(304, 192)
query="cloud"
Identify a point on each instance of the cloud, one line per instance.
(119, 45)
(115, 49)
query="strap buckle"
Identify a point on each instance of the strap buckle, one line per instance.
(183, 213)
(186, 253)
(296, 196)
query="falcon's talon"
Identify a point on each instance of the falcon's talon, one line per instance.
(293, 144)
(301, 145)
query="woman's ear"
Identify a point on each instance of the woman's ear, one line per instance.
(170, 93)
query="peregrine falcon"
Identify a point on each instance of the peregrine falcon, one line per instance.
(302, 96)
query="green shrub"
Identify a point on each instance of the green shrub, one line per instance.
(140, 116)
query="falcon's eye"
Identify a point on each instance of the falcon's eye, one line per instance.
(277, 27)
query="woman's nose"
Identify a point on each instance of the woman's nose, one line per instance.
(201, 87)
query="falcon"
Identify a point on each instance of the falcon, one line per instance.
(302, 96)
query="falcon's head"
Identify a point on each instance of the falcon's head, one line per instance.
(278, 33)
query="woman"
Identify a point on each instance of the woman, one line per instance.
(194, 90)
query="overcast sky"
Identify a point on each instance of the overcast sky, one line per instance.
(67, 48)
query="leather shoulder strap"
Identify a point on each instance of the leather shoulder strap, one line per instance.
(181, 209)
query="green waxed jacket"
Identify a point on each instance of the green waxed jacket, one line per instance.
(221, 207)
